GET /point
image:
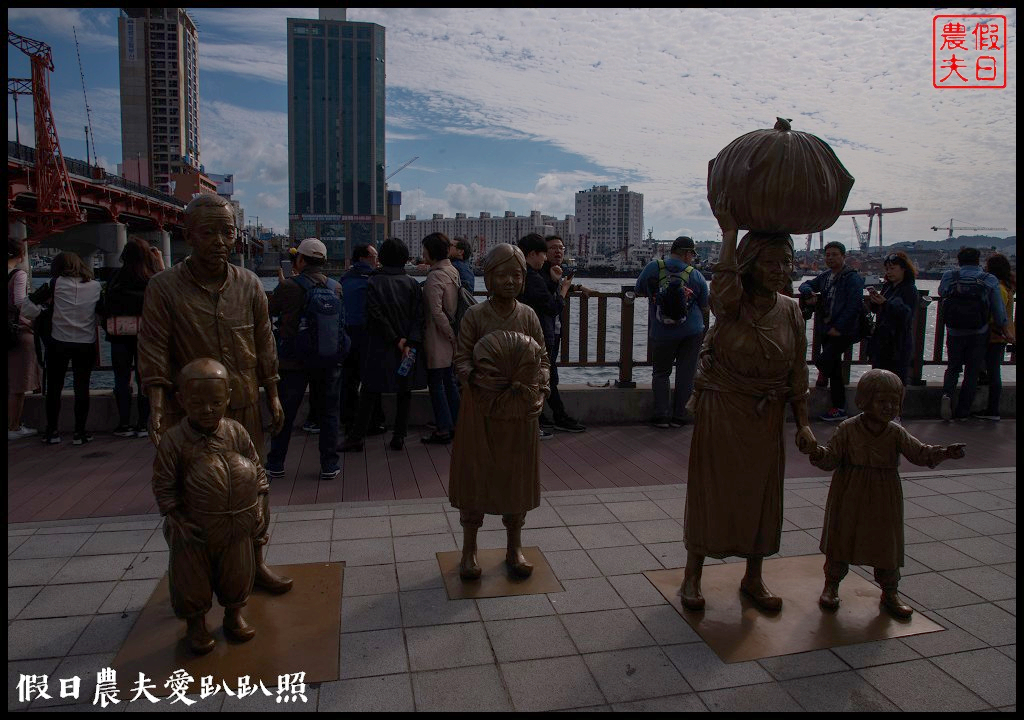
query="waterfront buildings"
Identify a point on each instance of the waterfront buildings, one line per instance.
(609, 222)
(159, 69)
(336, 188)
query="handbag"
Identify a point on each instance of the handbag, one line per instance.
(123, 325)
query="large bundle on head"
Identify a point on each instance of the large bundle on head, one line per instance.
(221, 492)
(508, 375)
(780, 180)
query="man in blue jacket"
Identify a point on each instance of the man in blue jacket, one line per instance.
(976, 292)
(460, 255)
(838, 296)
(678, 343)
(353, 285)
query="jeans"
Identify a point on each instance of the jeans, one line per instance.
(292, 388)
(681, 353)
(555, 399)
(82, 357)
(993, 359)
(350, 382)
(444, 398)
(966, 352)
(830, 363)
(124, 358)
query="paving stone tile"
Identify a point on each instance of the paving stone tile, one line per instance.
(944, 485)
(655, 531)
(370, 612)
(56, 601)
(1009, 651)
(49, 546)
(147, 565)
(1009, 606)
(26, 667)
(622, 560)
(286, 514)
(837, 692)
(932, 590)
(514, 606)
(669, 554)
(944, 504)
(543, 517)
(667, 492)
(479, 690)
(875, 653)
(816, 495)
(571, 564)
(950, 640)
(383, 693)
(370, 551)
(370, 580)
(665, 625)
(308, 531)
(704, 670)
(800, 542)
(156, 543)
(1009, 494)
(550, 539)
(48, 637)
(105, 633)
(129, 595)
(634, 674)
(585, 595)
(984, 500)
(637, 590)
(805, 518)
(93, 568)
(410, 548)
(602, 536)
(670, 704)
(294, 553)
(1007, 569)
(1008, 515)
(419, 524)
(988, 673)
(622, 495)
(415, 508)
(348, 511)
(377, 652)
(551, 684)
(1009, 539)
(585, 514)
(85, 667)
(911, 535)
(816, 662)
(529, 638)
(986, 621)
(14, 542)
(606, 630)
(132, 525)
(939, 527)
(37, 571)
(919, 686)
(913, 490)
(985, 523)
(751, 698)
(419, 575)
(436, 647)
(362, 527)
(59, 529)
(913, 510)
(985, 581)
(15, 531)
(559, 500)
(939, 556)
(984, 549)
(791, 500)
(19, 597)
(636, 510)
(995, 481)
(432, 607)
(673, 507)
(111, 543)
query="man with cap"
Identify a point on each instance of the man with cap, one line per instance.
(288, 301)
(674, 343)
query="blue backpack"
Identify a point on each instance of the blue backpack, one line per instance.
(321, 341)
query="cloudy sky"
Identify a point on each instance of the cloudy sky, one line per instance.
(518, 109)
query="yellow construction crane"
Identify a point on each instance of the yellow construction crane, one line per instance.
(950, 228)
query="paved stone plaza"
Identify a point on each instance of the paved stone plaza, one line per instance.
(610, 641)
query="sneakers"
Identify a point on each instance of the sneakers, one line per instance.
(569, 424)
(21, 432)
(678, 422)
(993, 418)
(946, 408)
(329, 474)
(378, 429)
(546, 434)
(142, 431)
(51, 439)
(397, 442)
(275, 474)
(833, 415)
(81, 439)
(125, 431)
(312, 428)
(661, 422)
(546, 422)
(436, 438)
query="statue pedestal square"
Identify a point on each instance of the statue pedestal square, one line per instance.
(496, 580)
(299, 631)
(736, 630)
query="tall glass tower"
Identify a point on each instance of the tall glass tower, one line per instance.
(336, 131)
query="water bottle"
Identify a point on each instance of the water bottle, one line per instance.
(407, 362)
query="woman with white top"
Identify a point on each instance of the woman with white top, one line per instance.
(73, 340)
(23, 372)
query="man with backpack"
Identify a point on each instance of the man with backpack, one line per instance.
(678, 297)
(969, 296)
(311, 346)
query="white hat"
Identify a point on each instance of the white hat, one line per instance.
(313, 248)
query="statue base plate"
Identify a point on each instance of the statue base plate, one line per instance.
(299, 631)
(496, 580)
(737, 630)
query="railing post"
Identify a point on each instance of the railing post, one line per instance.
(940, 334)
(626, 340)
(563, 352)
(584, 354)
(918, 330)
(602, 326)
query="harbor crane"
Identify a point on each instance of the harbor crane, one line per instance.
(863, 236)
(403, 166)
(873, 210)
(950, 228)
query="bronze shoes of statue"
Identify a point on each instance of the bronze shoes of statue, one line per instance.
(892, 602)
(689, 592)
(266, 578)
(829, 599)
(236, 627)
(761, 596)
(199, 639)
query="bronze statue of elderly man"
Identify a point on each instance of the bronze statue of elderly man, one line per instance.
(501, 362)
(212, 491)
(205, 307)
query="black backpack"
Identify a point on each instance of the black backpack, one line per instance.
(321, 341)
(673, 298)
(965, 306)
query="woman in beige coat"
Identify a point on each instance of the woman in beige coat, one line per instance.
(441, 297)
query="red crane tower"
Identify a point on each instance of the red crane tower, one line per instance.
(56, 206)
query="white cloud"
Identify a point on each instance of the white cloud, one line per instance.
(93, 29)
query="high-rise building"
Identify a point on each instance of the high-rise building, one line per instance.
(159, 62)
(608, 221)
(336, 188)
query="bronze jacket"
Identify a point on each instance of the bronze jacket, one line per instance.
(183, 321)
